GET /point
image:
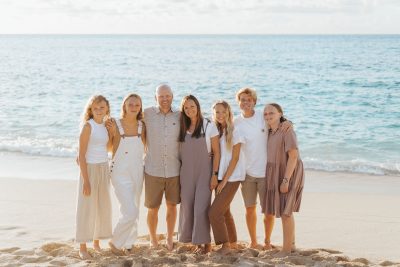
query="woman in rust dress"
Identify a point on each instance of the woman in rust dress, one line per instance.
(284, 173)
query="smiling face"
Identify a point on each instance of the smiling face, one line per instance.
(164, 97)
(246, 103)
(272, 115)
(132, 106)
(99, 110)
(220, 114)
(190, 109)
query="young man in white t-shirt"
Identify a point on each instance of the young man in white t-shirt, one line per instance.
(252, 125)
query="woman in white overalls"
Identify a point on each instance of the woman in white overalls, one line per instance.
(126, 169)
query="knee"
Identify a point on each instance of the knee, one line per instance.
(251, 210)
(228, 216)
(152, 211)
(211, 215)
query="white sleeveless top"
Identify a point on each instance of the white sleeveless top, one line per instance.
(97, 147)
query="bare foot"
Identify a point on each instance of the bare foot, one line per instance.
(84, 255)
(199, 250)
(116, 251)
(153, 244)
(267, 247)
(96, 245)
(170, 244)
(233, 245)
(207, 248)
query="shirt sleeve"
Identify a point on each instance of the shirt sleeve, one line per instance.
(290, 140)
(237, 137)
(212, 129)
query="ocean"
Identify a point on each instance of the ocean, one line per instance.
(342, 92)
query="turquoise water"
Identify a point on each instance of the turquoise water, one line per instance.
(341, 92)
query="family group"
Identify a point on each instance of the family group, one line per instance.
(185, 157)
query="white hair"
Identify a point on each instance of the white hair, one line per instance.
(163, 86)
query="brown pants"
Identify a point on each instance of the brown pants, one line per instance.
(220, 216)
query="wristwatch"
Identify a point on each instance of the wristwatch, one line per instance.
(215, 173)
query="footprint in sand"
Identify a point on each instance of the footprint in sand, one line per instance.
(361, 260)
(9, 250)
(308, 252)
(8, 228)
(34, 259)
(251, 252)
(331, 251)
(389, 263)
(24, 252)
(21, 233)
(298, 260)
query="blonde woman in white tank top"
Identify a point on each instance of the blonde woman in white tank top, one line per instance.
(128, 139)
(93, 216)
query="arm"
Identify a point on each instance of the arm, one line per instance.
(144, 134)
(231, 167)
(111, 129)
(215, 150)
(291, 164)
(83, 144)
(286, 126)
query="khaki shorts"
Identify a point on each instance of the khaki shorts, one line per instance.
(250, 187)
(155, 187)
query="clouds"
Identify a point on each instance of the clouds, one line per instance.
(201, 16)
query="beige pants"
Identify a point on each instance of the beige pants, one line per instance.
(93, 214)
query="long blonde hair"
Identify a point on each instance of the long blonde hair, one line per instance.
(229, 127)
(87, 113)
(139, 116)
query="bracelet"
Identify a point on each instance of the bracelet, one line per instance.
(285, 180)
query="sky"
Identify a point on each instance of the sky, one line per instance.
(200, 16)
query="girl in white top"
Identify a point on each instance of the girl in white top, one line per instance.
(93, 217)
(128, 135)
(232, 170)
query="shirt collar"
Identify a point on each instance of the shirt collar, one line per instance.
(157, 108)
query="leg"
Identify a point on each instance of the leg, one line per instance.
(288, 233)
(154, 190)
(251, 221)
(172, 198)
(201, 205)
(171, 221)
(220, 217)
(103, 228)
(249, 193)
(125, 232)
(152, 221)
(269, 221)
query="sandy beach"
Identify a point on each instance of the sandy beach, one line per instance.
(345, 219)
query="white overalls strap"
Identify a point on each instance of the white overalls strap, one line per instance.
(120, 128)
